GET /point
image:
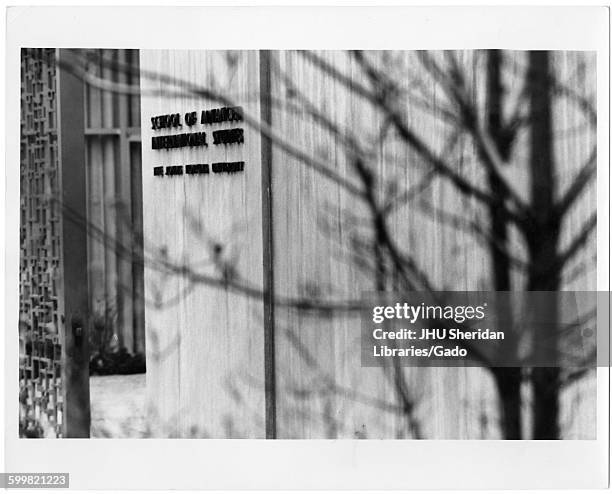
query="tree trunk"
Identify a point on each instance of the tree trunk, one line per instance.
(507, 380)
(542, 241)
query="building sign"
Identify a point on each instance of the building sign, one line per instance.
(225, 137)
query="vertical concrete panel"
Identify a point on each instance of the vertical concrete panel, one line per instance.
(73, 202)
(204, 343)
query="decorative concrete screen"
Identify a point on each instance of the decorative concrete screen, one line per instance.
(53, 306)
(40, 351)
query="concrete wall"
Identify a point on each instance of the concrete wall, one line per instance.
(206, 345)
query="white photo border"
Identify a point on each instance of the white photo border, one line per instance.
(305, 464)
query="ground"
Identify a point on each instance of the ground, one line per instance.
(117, 406)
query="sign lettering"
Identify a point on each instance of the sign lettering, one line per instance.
(225, 137)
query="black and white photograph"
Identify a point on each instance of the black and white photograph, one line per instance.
(309, 243)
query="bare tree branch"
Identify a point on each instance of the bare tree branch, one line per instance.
(471, 227)
(578, 241)
(415, 142)
(456, 89)
(582, 179)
